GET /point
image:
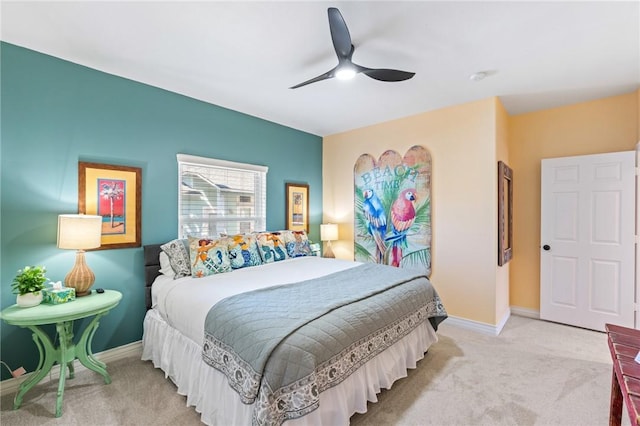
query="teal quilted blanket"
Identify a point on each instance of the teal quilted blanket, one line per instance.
(281, 346)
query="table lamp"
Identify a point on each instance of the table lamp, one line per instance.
(328, 233)
(79, 232)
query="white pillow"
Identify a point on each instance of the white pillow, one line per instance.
(178, 252)
(165, 265)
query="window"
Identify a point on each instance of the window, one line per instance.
(217, 196)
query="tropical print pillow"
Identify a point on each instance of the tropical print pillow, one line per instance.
(297, 244)
(208, 257)
(243, 250)
(271, 247)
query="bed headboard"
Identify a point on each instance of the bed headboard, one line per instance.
(151, 269)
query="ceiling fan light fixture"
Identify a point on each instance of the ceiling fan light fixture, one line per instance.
(345, 73)
(344, 49)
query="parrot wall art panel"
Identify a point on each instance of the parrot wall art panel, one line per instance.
(393, 208)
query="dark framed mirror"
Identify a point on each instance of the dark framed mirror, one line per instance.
(505, 213)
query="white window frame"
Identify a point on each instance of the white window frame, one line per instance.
(260, 194)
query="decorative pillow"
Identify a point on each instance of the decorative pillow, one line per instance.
(243, 250)
(297, 243)
(208, 257)
(165, 265)
(178, 252)
(271, 246)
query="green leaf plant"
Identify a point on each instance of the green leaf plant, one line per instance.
(31, 279)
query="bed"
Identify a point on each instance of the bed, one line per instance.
(309, 384)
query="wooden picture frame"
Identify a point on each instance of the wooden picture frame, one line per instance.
(297, 207)
(505, 213)
(113, 192)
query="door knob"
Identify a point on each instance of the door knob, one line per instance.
(546, 247)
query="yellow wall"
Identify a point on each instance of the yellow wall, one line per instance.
(462, 142)
(465, 142)
(605, 125)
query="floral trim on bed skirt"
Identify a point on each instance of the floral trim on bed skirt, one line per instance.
(302, 397)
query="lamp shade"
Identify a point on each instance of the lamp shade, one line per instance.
(328, 232)
(79, 231)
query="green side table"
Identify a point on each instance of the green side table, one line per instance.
(63, 315)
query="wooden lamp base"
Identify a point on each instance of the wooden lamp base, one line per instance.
(80, 277)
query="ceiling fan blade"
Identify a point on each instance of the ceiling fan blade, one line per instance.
(384, 74)
(344, 50)
(339, 33)
(327, 75)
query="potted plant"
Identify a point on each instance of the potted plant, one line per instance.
(28, 285)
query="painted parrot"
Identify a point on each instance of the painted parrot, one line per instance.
(403, 215)
(377, 220)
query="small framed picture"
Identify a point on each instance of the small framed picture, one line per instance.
(297, 207)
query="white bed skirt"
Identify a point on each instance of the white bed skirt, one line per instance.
(208, 391)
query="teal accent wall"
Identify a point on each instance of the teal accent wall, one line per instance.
(56, 113)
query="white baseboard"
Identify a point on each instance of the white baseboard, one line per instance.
(493, 330)
(480, 327)
(525, 312)
(110, 355)
(503, 322)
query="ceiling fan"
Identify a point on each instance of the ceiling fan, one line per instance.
(344, 50)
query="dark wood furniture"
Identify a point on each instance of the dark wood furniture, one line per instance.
(624, 344)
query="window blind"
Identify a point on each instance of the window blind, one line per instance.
(220, 197)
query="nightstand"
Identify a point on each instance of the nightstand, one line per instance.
(67, 351)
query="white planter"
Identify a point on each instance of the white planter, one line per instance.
(28, 300)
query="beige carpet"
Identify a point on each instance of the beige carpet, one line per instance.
(534, 373)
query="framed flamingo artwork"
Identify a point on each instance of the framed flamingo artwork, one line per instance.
(112, 192)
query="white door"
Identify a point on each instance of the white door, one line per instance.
(587, 253)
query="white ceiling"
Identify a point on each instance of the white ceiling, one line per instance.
(245, 55)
